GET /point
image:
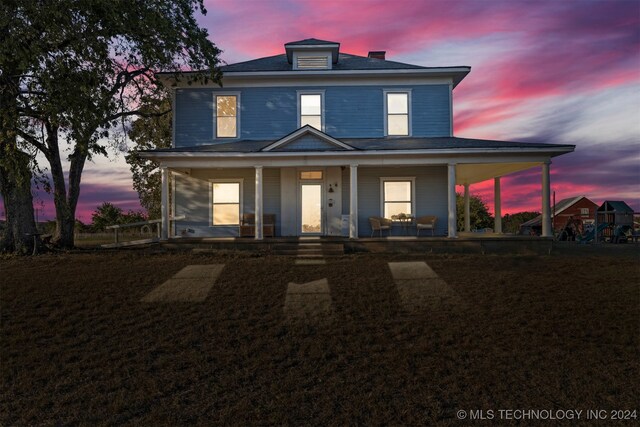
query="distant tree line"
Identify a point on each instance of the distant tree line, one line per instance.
(481, 218)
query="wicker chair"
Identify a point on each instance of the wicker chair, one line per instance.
(379, 224)
(426, 223)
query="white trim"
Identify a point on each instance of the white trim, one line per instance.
(320, 92)
(452, 220)
(386, 92)
(299, 182)
(164, 203)
(323, 221)
(411, 179)
(299, 133)
(215, 115)
(301, 80)
(448, 73)
(173, 117)
(353, 201)
(241, 199)
(450, 109)
(458, 152)
(329, 161)
(172, 197)
(259, 204)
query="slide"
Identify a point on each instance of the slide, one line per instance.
(589, 236)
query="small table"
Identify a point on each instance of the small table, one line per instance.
(405, 223)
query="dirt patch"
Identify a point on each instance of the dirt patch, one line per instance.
(78, 346)
(308, 302)
(191, 284)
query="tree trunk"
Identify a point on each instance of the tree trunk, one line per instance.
(65, 202)
(15, 186)
(15, 174)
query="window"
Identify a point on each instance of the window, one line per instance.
(226, 116)
(584, 211)
(310, 108)
(397, 113)
(226, 203)
(311, 175)
(398, 196)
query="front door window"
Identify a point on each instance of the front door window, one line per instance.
(311, 208)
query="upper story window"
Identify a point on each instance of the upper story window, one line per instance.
(398, 113)
(226, 116)
(310, 107)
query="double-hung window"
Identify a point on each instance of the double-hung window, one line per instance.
(226, 116)
(397, 111)
(310, 107)
(226, 202)
(398, 197)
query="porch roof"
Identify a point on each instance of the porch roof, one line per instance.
(424, 144)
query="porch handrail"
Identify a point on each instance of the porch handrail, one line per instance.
(116, 227)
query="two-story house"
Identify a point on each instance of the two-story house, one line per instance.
(323, 140)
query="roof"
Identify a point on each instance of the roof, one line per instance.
(616, 206)
(310, 42)
(374, 144)
(346, 61)
(343, 63)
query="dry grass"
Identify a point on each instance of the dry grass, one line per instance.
(78, 346)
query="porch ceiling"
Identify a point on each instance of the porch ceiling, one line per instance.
(471, 173)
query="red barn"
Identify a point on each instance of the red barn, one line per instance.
(577, 207)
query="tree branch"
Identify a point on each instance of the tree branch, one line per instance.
(33, 141)
(138, 113)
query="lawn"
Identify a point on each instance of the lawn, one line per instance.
(525, 332)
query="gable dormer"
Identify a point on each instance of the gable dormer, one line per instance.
(312, 54)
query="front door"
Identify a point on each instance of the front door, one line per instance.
(311, 208)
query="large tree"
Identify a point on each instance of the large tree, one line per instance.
(149, 132)
(91, 64)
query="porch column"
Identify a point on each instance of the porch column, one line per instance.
(497, 225)
(258, 208)
(467, 209)
(164, 205)
(353, 206)
(546, 204)
(451, 192)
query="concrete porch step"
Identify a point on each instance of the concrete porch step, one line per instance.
(315, 249)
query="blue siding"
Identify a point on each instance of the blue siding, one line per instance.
(194, 117)
(271, 113)
(431, 194)
(192, 200)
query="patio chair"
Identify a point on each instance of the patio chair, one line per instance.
(426, 223)
(379, 224)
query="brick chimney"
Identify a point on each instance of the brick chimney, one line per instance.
(377, 54)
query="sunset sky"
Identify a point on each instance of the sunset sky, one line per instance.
(565, 72)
